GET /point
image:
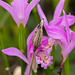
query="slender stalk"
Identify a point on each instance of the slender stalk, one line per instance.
(21, 45)
(31, 63)
(6, 65)
(66, 67)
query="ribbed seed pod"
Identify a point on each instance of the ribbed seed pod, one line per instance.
(38, 36)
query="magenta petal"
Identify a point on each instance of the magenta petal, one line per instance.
(56, 22)
(73, 36)
(67, 25)
(29, 8)
(18, 7)
(69, 49)
(15, 52)
(71, 45)
(58, 33)
(60, 23)
(29, 43)
(42, 15)
(58, 9)
(71, 19)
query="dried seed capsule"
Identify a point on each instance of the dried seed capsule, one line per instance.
(38, 36)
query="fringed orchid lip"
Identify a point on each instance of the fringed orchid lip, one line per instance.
(19, 10)
(44, 59)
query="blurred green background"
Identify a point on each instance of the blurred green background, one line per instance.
(9, 31)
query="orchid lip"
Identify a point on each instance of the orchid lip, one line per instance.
(43, 59)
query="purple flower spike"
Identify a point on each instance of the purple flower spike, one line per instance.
(59, 9)
(42, 15)
(19, 9)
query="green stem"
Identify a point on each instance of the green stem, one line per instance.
(6, 65)
(66, 67)
(52, 54)
(48, 71)
(21, 45)
(33, 73)
(36, 18)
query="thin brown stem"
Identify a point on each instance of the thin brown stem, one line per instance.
(61, 66)
(31, 63)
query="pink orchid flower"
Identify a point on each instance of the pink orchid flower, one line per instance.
(57, 20)
(19, 10)
(71, 38)
(55, 27)
(41, 56)
(71, 45)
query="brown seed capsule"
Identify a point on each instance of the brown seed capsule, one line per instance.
(38, 36)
